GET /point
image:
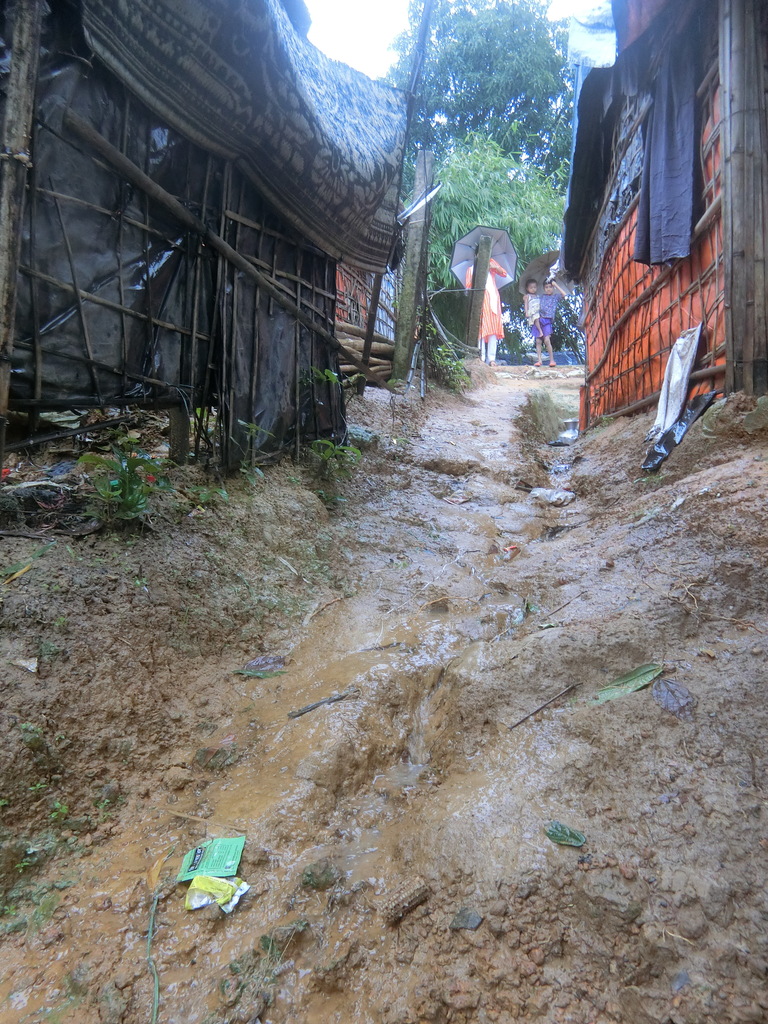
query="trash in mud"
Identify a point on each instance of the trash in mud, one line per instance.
(205, 890)
(467, 920)
(564, 835)
(635, 680)
(458, 499)
(321, 875)
(567, 435)
(216, 857)
(405, 898)
(28, 664)
(674, 697)
(553, 496)
(333, 699)
(672, 437)
(263, 667)
(222, 755)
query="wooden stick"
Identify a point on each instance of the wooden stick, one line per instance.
(544, 705)
(134, 174)
(353, 691)
(23, 24)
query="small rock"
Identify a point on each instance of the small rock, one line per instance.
(466, 918)
(177, 777)
(628, 871)
(321, 875)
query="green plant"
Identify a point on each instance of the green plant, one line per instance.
(447, 369)
(4, 802)
(324, 376)
(32, 736)
(335, 459)
(124, 483)
(60, 811)
(201, 496)
(38, 787)
(23, 865)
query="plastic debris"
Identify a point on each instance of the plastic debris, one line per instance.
(216, 857)
(263, 667)
(675, 384)
(466, 919)
(629, 683)
(673, 697)
(205, 890)
(672, 437)
(553, 496)
(28, 664)
(564, 835)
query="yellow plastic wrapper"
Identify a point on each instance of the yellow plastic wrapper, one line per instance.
(205, 890)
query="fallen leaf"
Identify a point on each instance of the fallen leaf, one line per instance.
(635, 680)
(673, 697)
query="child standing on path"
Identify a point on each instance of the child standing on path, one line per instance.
(532, 306)
(544, 306)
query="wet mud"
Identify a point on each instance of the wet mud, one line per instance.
(396, 849)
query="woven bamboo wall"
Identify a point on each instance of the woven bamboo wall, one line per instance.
(634, 313)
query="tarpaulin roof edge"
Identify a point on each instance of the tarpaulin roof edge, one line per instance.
(322, 143)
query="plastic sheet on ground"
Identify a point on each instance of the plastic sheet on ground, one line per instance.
(671, 438)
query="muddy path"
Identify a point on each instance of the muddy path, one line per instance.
(396, 850)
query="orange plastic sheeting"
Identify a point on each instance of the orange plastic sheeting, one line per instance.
(635, 313)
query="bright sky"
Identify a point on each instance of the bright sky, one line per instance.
(360, 32)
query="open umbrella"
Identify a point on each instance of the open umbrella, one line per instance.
(539, 269)
(502, 250)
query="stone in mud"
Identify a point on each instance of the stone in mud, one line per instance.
(177, 777)
(466, 919)
(322, 874)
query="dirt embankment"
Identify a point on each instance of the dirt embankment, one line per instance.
(446, 603)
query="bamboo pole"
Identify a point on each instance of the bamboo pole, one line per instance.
(134, 174)
(479, 278)
(417, 230)
(24, 20)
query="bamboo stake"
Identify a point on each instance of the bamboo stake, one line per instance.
(24, 20)
(80, 307)
(126, 167)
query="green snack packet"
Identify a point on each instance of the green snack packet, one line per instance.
(218, 858)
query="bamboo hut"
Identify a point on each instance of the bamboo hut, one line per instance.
(667, 221)
(185, 181)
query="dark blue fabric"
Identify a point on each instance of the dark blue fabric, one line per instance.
(665, 210)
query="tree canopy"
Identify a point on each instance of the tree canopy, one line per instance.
(494, 105)
(491, 66)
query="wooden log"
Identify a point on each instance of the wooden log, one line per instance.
(359, 332)
(378, 348)
(137, 177)
(23, 24)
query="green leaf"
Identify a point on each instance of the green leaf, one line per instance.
(635, 680)
(564, 835)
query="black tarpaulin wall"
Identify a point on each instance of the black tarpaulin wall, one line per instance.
(118, 305)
